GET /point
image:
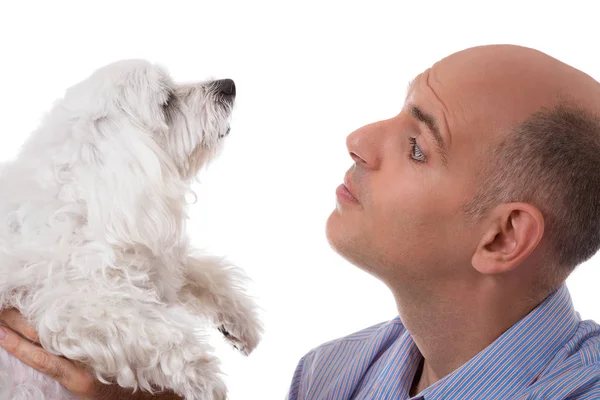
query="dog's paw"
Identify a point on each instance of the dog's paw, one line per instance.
(219, 392)
(214, 391)
(243, 336)
(201, 381)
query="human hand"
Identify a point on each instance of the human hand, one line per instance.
(74, 376)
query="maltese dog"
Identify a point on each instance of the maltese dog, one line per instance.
(93, 248)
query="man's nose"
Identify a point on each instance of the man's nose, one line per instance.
(363, 146)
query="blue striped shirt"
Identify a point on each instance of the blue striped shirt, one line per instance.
(549, 354)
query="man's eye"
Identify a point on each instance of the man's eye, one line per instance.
(416, 153)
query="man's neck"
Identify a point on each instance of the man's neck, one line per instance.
(450, 326)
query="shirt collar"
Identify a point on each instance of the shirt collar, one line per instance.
(516, 359)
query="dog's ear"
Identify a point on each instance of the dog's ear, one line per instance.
(132, 189)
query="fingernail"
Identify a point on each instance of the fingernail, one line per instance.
(2, 334)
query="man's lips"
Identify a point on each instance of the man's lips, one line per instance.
(345, 191)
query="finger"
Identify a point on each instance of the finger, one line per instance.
(75, 379)
(17, 322)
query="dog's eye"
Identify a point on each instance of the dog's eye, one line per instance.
(222, 135)
(170, 99)
(170, 106)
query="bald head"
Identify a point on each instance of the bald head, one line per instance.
(480, 94)
(504, 84)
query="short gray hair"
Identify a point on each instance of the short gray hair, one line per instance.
(552, 161)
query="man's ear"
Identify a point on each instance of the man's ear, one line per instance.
(513, 232)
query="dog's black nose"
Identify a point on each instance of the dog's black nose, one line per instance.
(226, 86)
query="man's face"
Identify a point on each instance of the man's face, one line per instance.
(413, 172)
(409, 186)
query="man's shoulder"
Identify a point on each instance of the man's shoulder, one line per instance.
(575, 371)
(587, 343)
(582, 350)
(338, 364)
(373, 334)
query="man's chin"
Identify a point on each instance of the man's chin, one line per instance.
(340, 236)
(344, 238)
(332, 228)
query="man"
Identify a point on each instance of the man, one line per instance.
(472, 205)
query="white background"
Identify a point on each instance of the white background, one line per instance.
(307, 74)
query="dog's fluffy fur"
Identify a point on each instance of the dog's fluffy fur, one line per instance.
(93, 249)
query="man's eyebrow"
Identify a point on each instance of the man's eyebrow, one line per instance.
(432, 127)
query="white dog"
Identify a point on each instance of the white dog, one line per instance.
(93, 249)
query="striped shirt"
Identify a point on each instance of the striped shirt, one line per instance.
(549, 354)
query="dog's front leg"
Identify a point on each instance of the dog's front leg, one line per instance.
(216, 288)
